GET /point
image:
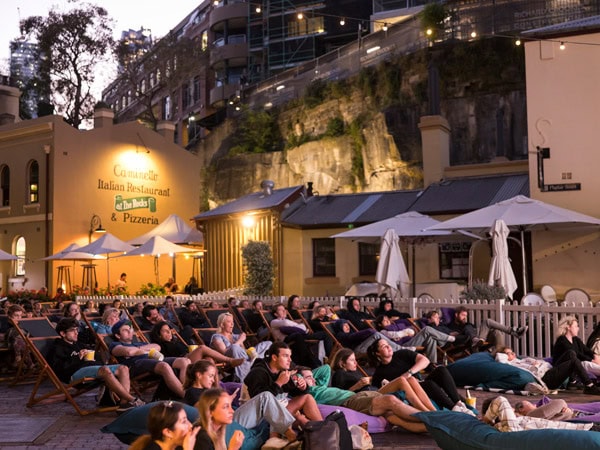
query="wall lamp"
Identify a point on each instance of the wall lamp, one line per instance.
(95, 226)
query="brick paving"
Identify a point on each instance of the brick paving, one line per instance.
(74, 432)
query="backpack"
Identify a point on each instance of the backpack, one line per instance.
(331, 433)
(321, 434)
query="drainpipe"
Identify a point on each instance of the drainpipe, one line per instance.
(47, 218)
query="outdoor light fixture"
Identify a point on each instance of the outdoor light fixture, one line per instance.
(373, 49)
(562, 45)
(280, 87)
(258, 9)
(385, 27)
(248, 221)
(300, 16)
(343, 21)
(518, 42)
(429, 32)
(473, 34)
(95, 226)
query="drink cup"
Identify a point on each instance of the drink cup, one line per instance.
(90, 355)
(471, 401)
(191, 348)
(155, 354)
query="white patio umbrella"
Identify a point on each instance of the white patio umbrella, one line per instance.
(520, 214)
(391, 270)
(5, 256)
(71, 252)
(411, 227)
(156, 246)
(106, 245)
(501, 272)
(173, 229)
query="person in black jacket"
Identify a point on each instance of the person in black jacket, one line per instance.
(355, 315)
(68, 360)
(273, 374)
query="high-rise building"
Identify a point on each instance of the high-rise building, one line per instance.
(24, 65)
(137, 43)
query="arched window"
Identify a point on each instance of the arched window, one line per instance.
(20, 251)
(34, 182)
(5, 186)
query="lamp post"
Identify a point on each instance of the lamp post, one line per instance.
(95, 227)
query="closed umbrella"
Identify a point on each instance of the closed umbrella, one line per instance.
(391, 270)
(501, 272)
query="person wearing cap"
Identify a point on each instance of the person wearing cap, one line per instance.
(68, 362)
(137, 356)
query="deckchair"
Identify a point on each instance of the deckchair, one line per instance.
(41, 347)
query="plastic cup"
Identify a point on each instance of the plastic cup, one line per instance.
(471, 401)
(90, 355)
(191, 348)
(155, 354)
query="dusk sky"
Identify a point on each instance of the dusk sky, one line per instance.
(159, 16)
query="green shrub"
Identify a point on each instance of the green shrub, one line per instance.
(335, 127)
(260, 273)
(151, 289)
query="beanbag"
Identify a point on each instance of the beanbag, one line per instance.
(132, 424)
(376, 424)
(480, 369)
(457, 431)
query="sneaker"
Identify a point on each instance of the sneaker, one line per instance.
(138, 402)
(591, 390)
(476, 343)
(519, 332)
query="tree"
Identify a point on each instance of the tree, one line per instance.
(259, 268)
(432, 19)
(71, 44)
(172, 62)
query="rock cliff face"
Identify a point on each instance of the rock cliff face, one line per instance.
(379, 149)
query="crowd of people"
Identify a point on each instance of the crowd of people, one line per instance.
(267, 371)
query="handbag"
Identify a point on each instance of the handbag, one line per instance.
(321, 434)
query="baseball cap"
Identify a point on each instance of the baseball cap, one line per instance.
(117, 326)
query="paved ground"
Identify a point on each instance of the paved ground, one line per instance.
(62, 428)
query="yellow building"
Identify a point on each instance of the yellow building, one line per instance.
(58, 184)
(563, 115)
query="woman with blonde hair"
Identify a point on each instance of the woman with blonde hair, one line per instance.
(231, 344)
(216, 413)
(169, 429)
(568, 346)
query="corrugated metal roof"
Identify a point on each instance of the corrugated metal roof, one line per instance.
(348, 208)
(253, 202)
(586, 24)
(468, 194)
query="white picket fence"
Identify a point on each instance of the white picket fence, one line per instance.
(541, 319)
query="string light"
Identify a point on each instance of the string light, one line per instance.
(300, 16)
(385, 27)
(342, 21)
(562, 45)
(258, 9)
(518, 42)
(473, 34)
(429, 32)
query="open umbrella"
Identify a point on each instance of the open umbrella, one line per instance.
(69, 253)
(157, 246)
(4, 256)
(106, 245)
(391, 270)
(520, 214)
(501, 273)
(173, 229)
(410, 227)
